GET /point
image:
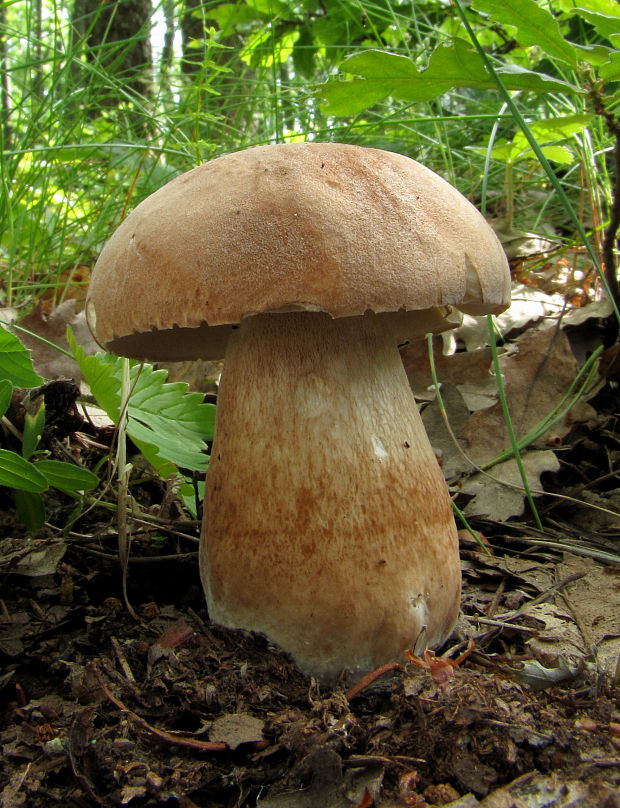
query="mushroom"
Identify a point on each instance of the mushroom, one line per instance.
(327, 521)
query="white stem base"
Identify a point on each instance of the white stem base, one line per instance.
(328, 525)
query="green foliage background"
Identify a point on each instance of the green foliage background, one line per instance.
(97, 111)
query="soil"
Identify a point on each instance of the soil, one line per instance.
(99, 708)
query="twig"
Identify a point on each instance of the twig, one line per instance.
(611, 232)
(601, 762)
(616, 679)
(123, 469)
(506, 619)
(136, 559)
(367, 680)
(162, 736)
(496, 597)
(487, 621)
(359, 761)
(544, 595)
(583, 630)
(122, 661)
(569, 547)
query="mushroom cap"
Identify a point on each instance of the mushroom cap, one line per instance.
(290, 227)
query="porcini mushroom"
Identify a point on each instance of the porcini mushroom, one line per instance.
(327, 522)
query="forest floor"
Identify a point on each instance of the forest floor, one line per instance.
(102, 708)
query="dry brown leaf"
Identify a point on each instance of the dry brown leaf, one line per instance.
(234, 729)
(499, 494)
(593, 603)
(528, 306)
(536, 378)
(468, 370)
(453, 462)
(49, 362)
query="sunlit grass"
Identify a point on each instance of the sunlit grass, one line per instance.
(81, 147)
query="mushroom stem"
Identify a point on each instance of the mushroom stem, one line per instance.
(328, 524)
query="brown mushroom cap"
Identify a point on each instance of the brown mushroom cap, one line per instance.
(302, 226)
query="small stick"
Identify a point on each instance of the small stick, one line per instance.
(161, 735)
(123, 661)
(367, 680)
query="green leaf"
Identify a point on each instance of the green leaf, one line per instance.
(15, 472)
(558, 154)
(97, 370)
(15, 362)
(272, 9)
(30, 509)
(535, 26)
(376, 64)
(6, 391)
(515, 77)
(609, 7)
(456, 65)
(603, 17)
(304, 51)
(547, 134)
(228, 16)
(347, 98)
(563, 126)
(168, 424)
(33, 429)
(330, 30)
(596, 55)
(67, 476)
(188, 495)
(611, 70)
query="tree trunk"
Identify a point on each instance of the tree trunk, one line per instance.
(116, 37)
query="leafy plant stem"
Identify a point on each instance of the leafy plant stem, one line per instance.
(509, 196)
(488, 158)
(611, 231)
(47, 342)
(589, 370)
(124, 538)
(457, 511)
(508, 421)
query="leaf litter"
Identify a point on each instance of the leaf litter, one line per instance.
(99, 709)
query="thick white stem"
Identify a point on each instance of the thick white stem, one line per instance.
(328, 525)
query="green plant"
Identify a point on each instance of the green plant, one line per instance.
(30, 473)
(554, 136)
(167, 424)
